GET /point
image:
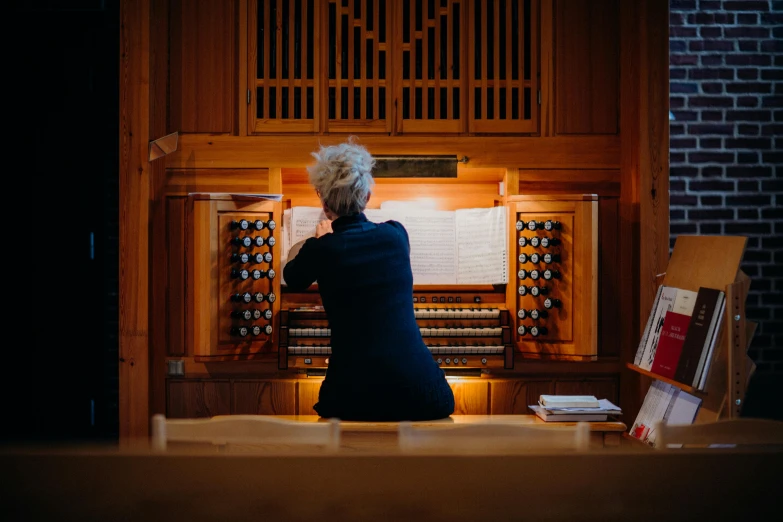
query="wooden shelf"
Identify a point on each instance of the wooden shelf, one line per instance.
(684, 387)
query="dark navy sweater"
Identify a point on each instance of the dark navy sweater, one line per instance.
(380, 368)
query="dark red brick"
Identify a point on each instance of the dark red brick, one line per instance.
(745, 214)
(712, 88)
(677, 157)
(772, 213)
(772, 101)
(677, 185)
(710, 157)
(683, 59)
(712, 116)
(681, 200)
(711, 186)
(747, 18)
(748, 102)
(748, 46)
(711, 18)
(707, 229)
(771, 46)
(748, 172)
(711, 201)
(748, 116)
(747, 158)
(772, 129)
(746, 32)
(772, 74)
(772, 18)
(748, 87)
(682, 143)
(676, 102)
(704, 128)
(683, 228)
(772, 185)
(678, 73)
(751, 229)
(749, 143)
(683, 172)
(718, 214)
(746, 5)
(676, 214)
(748, 186)
(748, 130)
(747, 74)
(683, 32)
(712, 172)
(711, 74)
(773, 158)
(711, 31)
(711, 45)
(709, 5)
(710, 101)
(684, 115)
(711, 143)
(685, 87)
(677, 46)
(748, 59)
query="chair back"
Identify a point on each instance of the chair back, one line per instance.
(731, 432)
(253, 430)
(491, 438)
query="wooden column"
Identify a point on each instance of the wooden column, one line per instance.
(134, 219)
(644, 159)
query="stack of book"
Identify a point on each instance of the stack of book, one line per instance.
(663, 403)
(681, 333)
(573, 408)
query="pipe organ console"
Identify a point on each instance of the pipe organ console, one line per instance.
(239, 310)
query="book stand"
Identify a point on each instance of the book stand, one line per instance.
(714, 262)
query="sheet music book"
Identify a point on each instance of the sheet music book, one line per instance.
(448, 247)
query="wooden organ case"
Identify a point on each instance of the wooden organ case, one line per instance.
(556, 110)
(233, 272)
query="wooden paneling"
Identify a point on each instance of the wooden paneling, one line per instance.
(470, 398)
(190, 399)
(568, 181)
(514, 396)
(175, 271)
(235, 181)
(588, 152)
(609, 285)
(135, 114)
(263, 397)
(601, 388)
(587, 41)
(203, 68)
(307, 396)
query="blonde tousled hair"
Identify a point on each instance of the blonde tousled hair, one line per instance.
(342, 175)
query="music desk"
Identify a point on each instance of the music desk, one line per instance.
(382, 436)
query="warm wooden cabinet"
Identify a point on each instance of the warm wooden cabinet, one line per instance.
(407, 66)
(533, 97)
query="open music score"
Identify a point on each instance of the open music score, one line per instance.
(465, 246)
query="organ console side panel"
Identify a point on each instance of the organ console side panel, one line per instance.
(232, 276)
(555, 260)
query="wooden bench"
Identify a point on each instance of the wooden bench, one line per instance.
(373, 437)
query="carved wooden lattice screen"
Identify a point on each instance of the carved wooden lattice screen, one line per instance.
(394, 66)
(503, 77)
(358, 65)
(285, 51)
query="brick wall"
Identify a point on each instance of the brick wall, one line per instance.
(725, 95)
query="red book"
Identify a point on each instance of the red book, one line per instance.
(675, 326)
